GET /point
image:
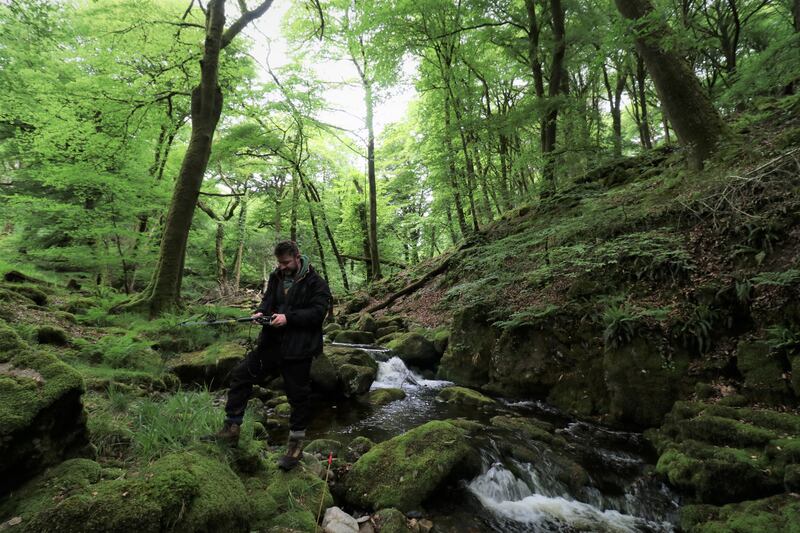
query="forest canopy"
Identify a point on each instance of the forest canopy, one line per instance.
(104, 109)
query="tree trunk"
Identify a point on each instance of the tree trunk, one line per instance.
(373, 194)
(362, 217)
(241, 237)
(163, 292)
(553, 90)
(293, 215)
(696, 121)
(641, 90)
(451, 167)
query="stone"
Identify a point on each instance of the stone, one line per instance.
(357, 447)
(354, 337)
(425, 525)
(642, 386)
(324, 447)
(380, 397)
(384, 331)
(404, 470)
(42, 421)
(467, 359)
(342, 371)
(51, 335)
(330, 328)
(366, 322)
(356, 303)
(763, 374)
(337, 521)
(414, 349)
(210, 367)
(391, 521)
(464, 396)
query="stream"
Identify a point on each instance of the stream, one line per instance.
(524, 485)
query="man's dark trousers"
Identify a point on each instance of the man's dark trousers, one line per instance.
(262, 363)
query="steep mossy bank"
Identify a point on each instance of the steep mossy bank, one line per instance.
(639, 287)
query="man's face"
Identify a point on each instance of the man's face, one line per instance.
(288, 264)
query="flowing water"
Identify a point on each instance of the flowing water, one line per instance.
(524, 485)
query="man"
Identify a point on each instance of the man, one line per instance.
(297, 300)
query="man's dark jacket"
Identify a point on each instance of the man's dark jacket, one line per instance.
(305, 305)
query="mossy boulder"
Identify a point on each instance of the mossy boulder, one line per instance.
(354, 337)
(324, 447)
(343, 371)
(467, 359)
(366, 322)
(355, 304)
(402, 472)
(776, 513)
(179, 492)
(440, 338)
(28, 291)
(725, 454)
(391, 521)
(530, 428)
(464, 396)
(795, 365)
(358, 447)
(763, 374)
(210, 367)
(52, 335)
(379, 397)
(415, 350)
(41, 416)
(384, 331)
(643, 384)
(331, 328)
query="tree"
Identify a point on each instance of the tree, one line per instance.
(697, 122)
(164, 289)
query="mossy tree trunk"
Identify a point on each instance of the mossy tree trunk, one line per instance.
(163, 291)
(695, 119)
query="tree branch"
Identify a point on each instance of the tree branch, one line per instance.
(246, 18)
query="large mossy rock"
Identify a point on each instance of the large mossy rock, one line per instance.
(210, 367)
(385, 396)
(343, 371)
(179, 492)
(402, 472)
(643, 385)
(773, 514)
(41, 416)
(724, 454)
(415, 350)
(464, 396)
(354, 337)
(366, 322)
(763, 374)
(468, 358)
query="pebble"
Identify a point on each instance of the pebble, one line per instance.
(337, 521)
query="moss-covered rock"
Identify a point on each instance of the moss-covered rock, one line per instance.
(28, 291)
(343, 371)
(391, 521)
(384, 331)
(283, 409)
(643, 385)
(464, 396)
(379, 397)
(358, 447)
(777, 513)
(763, 374)
(331, 328)
(531, 428)
(179, 492)
(403, 471)
(52, 335)
(440, 338)
(210, 367)
(354, 337)
(414, 349)
(725, 454)
(366, 322)
(41, 416)
(324, 447)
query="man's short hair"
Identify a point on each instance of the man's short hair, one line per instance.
(287, 248)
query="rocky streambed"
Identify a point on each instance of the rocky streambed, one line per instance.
(520, 466)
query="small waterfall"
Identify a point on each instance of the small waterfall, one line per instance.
(394, 374)
(520, 501)
(524, 498)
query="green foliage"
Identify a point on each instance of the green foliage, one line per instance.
(624, 321)
(784, 278)
(125, 351)
(783, 340)
(696, 329)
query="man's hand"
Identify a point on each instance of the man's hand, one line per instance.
(278, 320)
(256, 316)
